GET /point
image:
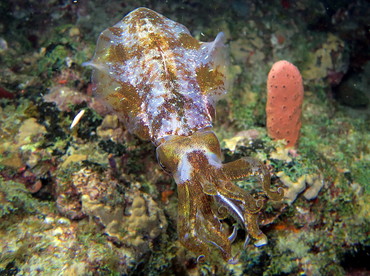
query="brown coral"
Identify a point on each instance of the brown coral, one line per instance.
(132, 220)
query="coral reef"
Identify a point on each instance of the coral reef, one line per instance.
(91, 200)
(131, 219)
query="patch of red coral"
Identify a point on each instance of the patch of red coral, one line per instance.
(284, 102)
(6, 94)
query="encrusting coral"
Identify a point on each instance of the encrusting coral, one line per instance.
(110, 128)
(294, 188)
(133, 220)
(329, 61)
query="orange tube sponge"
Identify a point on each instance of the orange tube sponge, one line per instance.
(284, 102)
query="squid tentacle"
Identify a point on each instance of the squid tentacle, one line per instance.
(187, 221)
(200, 227)
(248, 166)
(207, 195)
(254, 231)
(238, 196)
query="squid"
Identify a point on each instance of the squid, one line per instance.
(163, 84)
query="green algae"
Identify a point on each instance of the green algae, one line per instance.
(16, 198)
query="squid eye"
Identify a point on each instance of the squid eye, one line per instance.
(162, 166)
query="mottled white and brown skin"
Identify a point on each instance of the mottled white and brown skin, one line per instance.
(158, 78)
(163, 84)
